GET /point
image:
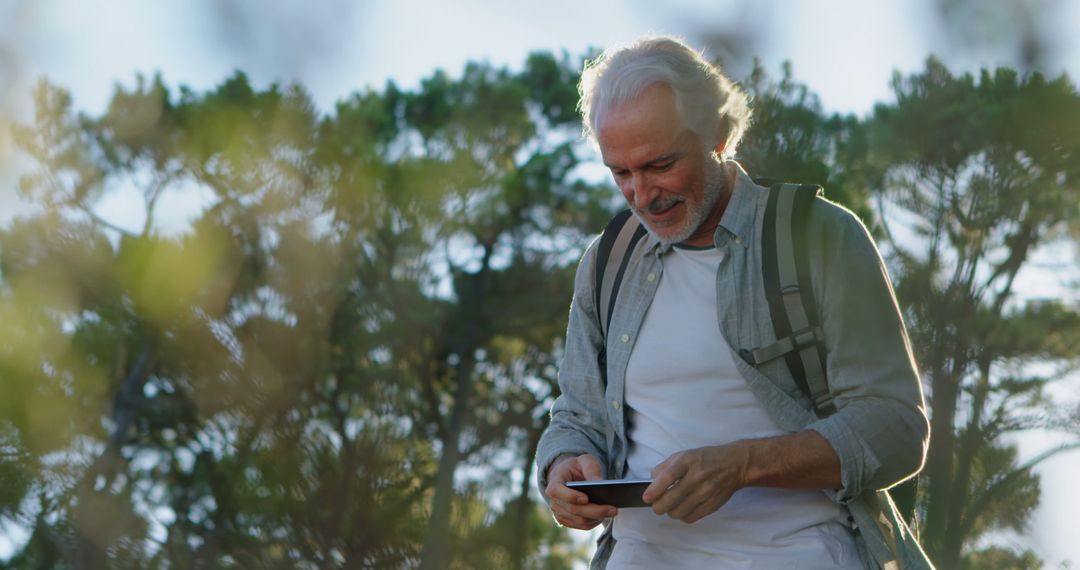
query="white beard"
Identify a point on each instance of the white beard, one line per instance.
(696, 212)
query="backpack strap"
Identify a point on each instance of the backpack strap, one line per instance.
(790, 294)
(796, 322)
(618, 240)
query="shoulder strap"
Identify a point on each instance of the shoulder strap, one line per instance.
(612, 256)
(619, 238)
(790, 293)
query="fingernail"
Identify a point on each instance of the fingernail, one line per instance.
(612, 512)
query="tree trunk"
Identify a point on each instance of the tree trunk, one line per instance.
(969, 445)
(519, 542)
(471, 290)
(939, 465)
(89, 552)
(435, 552)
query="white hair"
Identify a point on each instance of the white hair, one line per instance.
(711, 105)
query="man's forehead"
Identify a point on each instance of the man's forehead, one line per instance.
(639, 122)
(654, 98)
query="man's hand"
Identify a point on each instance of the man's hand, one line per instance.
(572, 508)
(693, 484)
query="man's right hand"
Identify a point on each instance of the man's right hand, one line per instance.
(572, 508)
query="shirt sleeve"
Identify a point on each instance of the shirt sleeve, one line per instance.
(577, 423)
(880, 430)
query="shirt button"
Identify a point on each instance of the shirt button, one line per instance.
(615, 404)
(651, 277)
(626, 338)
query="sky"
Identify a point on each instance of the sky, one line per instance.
(846, 51)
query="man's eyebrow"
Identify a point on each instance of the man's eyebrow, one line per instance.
(664, 158)
(658, 160)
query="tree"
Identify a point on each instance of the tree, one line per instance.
(791, 139)
(369, 300)
(974, 176)
(498, 148)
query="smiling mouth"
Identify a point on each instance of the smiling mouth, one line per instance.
(659, 208)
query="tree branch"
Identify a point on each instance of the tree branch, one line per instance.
(996, 487)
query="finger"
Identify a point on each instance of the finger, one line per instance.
(560, 492)
(709, 506)
(575, 522)
(577, 468)
(686, 507)
(561, 472)
(593, 511)
(664, 476)
(672, 498)
(703, 510)
(589, 511)
(587, 525)
(556, 488)
(565, 515)
(590, 467)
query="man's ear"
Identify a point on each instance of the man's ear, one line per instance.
(720, 146)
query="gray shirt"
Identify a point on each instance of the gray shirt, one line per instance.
(880, 430)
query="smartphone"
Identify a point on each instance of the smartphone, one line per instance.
(622, 493)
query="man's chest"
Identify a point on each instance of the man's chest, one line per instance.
(679, 306)
(682, 383)
(680, 334)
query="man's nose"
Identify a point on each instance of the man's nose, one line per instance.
(642, 191)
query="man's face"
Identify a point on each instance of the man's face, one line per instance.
(667, 178)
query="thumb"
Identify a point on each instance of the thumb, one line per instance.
(590, 467)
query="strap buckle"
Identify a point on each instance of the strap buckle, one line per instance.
(807, 337)
(798, 340)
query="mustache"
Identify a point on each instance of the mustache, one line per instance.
(661, 204)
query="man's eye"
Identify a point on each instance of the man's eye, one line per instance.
(619, 173)
(663, 166)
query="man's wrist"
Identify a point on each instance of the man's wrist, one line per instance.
(799, 460)
(746, 455)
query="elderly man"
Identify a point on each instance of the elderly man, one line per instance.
(743, 474)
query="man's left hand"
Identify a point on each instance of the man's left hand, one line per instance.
(693, 484)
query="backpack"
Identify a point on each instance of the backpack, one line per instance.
(788, 290)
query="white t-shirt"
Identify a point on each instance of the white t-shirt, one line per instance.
(683, 391)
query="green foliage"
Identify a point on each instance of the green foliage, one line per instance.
(996, 557)
(370, 302)
(985, 174)
(792, 140)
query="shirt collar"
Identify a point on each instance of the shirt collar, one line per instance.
(737, 223)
